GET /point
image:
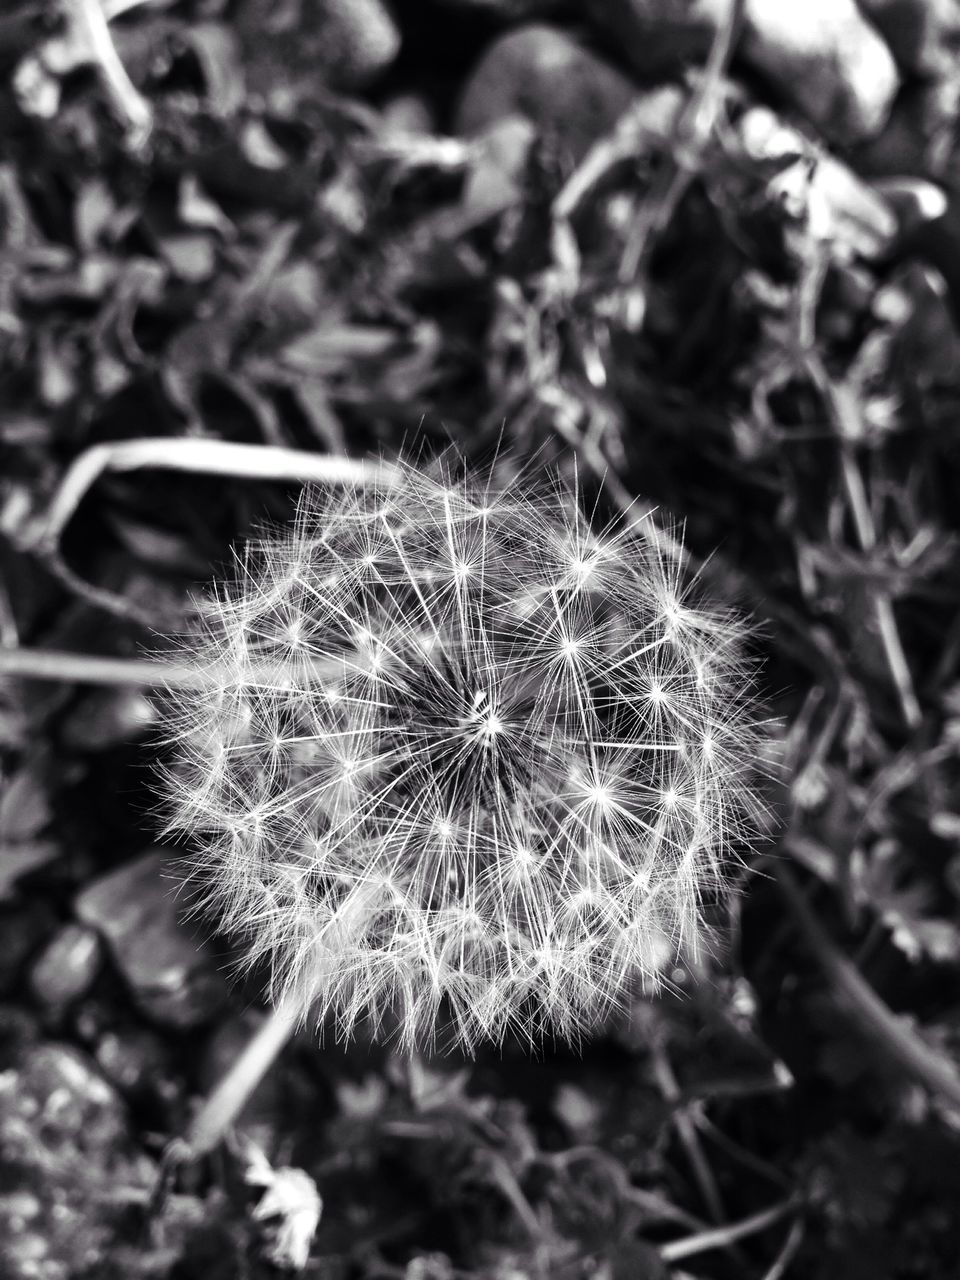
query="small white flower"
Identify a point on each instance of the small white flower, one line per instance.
(289, 1208)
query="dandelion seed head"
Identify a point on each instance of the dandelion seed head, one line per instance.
(464, 763)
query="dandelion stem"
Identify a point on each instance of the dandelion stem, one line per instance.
(221, 1107)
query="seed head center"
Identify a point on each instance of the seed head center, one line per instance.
(486, 717)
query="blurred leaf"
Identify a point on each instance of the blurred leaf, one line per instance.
(107, 717)
(25, 809)
(19, 859)
(218, 51)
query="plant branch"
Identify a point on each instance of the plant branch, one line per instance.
(901, 1043)
(84, 668)
(192, 456)
(722, 1237)
(692, 134)
(687, 1132)
(220, 1108)
(88, 22)
(842, 413)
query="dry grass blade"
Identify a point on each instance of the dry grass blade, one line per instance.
(88, 20)
(202, 457)
(721, 1237)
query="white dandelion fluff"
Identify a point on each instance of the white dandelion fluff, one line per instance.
(461, 758)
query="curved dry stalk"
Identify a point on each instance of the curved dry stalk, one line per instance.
(199, 457)
(876, 1019)
(88, 22)
(191, 456)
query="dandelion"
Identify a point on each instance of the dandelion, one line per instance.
(462, 761)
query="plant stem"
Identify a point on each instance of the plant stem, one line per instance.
(83, 668)
(687, 1132)
(901, 1043)
(194, 456)
(221, 1107)
(721, 1237)
(786, 1254)
(89, 22)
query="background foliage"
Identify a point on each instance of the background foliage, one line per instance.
(731, 293)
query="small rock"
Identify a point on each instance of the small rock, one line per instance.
(139, 1063)
(823, 55)
(106, 718)
(66, 967)
(923, 35)
(494, 181)
(407, 114)
(66, 1153)
(540, 73)
(21, 858)
(344, 43)
(171, 975)
(361, 34)
(828, 59)
(25, 809)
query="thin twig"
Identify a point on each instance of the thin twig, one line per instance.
(934, 1070)
(203, 457)
(841, 412)
(723, 1237)
(883, 605)
(650, 122)
(89, 23)
(193, 456)
(859, 506)
(788, 1251)
(692, 135)
(687, 1132)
